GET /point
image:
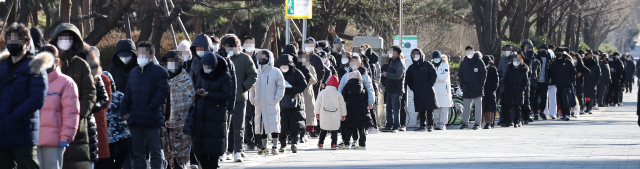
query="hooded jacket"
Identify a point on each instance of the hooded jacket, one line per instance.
(60, 115)
(421, 77)
(75, 63)
(292, 104)
(579, 83)
(355, 96)
(330, 106)
(266, 96)
(516, 82)
(119, 70)
(591, 81)
(117, 126)
(210, 120)
(146, 91)
(605, 78)
(563, 73)
(203, 40)
(534, 69)
(472, 75)
(618, 74)
(490, 86)
(21, 97)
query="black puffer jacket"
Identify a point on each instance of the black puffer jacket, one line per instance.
(605, 78)
(584, 72)
(562, 72)
(516, 82)
(490, 86)
(208, 125)
(357, 105)
(534, 69)
(395, 76)
(472, 75)
(630, 68)
(618, 74)
(292, 104)
(421, 76)
(119, 70)
(591, 81)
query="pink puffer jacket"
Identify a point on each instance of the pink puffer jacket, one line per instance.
(60, 115)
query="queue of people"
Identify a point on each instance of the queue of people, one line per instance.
(207, 100)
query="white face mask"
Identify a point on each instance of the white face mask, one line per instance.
(344, 60)
(610, 59)
(304, 60)
(142, 61)
(416, 57)
(65, 44)
(390, 54)
(437, 60)
(516, 63)
(201, 53)
(186, 57)
(172, 67)
(249, 47)
(215, 48)
(362, 51)
(355, 54)
(469, 54)
(207, 70)
(284, 69)
(230, 53)
(319, 48)
(125, 60)
(308, 49)
(354, 67)
(575, 61)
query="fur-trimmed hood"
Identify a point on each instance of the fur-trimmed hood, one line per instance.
(38, 63)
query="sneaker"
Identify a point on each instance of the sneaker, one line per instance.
(221, 158)
(228, 156)
(306, 138)
(543, 117)
(273, 151)
(561, 118)
(243, 155)
(360, 148)
(263, 151)
(333, 147)
(439, 127)
(403, 128)
(237, 157)
(566, 118)
(420, 129)
(464, 127)
(193, 166)
(590, 111)
(301, 140)
(281, 149)
(487, 126)
(320, 146)
(430, 128)
(596, 108)
(345, 147)
(517, 124)
(581, 112)
(386, 129)
(373, 130)
(476, 127)
(394, 130)
(294, 148)
(354, 144)
(553, 117)
(535, 117)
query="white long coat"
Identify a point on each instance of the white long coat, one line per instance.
(443, 84)
(266, 96)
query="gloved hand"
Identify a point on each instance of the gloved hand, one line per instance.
(64, 144)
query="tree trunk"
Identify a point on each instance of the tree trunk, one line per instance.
(76, 10)
(112, 21)
(86, 10)
(516, 33)
(65, 10)
(198, 26)
(147, 23)
(24, 12)
(161, 26)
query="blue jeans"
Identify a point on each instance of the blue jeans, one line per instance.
(393, 110)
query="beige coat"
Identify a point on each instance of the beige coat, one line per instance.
(266, 96)
(309, 102)
(331, 107)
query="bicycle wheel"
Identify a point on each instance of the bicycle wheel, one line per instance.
(455, 112)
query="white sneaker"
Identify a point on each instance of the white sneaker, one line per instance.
(221, 158)
(228, 156)
(194, 166)
(237, 157)
(306, 138)
(373, 130)
(354, 144)
(596, 108)
(403, 128)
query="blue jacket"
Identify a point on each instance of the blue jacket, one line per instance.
(20, 98)
(145, 93)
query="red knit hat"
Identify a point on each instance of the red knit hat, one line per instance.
(333, 81)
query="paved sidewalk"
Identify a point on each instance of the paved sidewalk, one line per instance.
(610, 138)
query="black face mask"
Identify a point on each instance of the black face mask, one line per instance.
(15, 49)
(529, 54)
(542, 54)
(50, 69)
(263, 61)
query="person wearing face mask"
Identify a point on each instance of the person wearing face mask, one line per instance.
(208, 124)
(591, 81)
(266, 96)
(421, 77)
(374, 69)
(324, 46)
(215, 44)
(582, 72)
(344, 64)
(542, 84)
(534, 72)
(185, 52)
(177, 105)
(123, 60)
(630, 69)
(356, 66)
(515, 84)
(98, 132)
(394, 88)
(245, 78)
(309, 97)
(338, 48)
(74, 62)
(472, 75)
(148, 86)
(292, 116)
(505, 61)
(200, 46)
(489, 104)
(23, 71)
(605, 81)
(563, 74)
(617, 76)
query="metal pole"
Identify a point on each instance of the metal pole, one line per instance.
(184, 30)
(304, 31)
(173, 34)
(400, 37)
(286, 36)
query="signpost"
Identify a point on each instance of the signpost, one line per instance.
(409, 42)
(298, 9)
